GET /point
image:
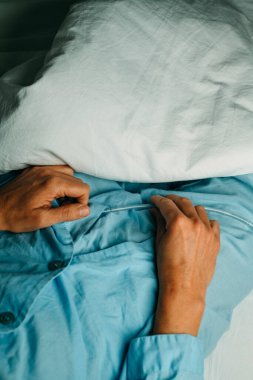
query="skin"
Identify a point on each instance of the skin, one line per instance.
(187, 242)
(25, 202)
(187, 245)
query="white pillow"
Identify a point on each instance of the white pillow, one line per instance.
(146, 91)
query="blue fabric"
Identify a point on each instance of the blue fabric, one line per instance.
(92, 317)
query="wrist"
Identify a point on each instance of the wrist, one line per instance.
(178, 312)
(193, 294)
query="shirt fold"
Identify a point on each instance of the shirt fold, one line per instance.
(165, 357)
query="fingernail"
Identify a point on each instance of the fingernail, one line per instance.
(155, 196)
(84, 211)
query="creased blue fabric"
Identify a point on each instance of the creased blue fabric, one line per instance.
(165, 357)
(92, 318)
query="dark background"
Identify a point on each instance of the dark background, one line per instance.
(27, 29)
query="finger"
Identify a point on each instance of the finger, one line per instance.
(166, 206)
(184, 204)
(160, 225)
(61, 187)
(216, 227)
(63, 214)
(201, 211)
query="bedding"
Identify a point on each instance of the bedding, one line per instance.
(232, 357)
(109, 280)
(144, 91)
(210, 134)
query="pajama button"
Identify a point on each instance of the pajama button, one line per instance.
(7, 317)
(57, 264)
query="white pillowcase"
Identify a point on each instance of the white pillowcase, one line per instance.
(146, 91)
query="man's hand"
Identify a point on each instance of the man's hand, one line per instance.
(25, 202)
(187, 245)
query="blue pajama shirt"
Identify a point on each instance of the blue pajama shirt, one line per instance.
(77, 300)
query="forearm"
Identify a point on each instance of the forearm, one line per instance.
(173, 350)
(187, 244)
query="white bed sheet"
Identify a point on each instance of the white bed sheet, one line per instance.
(140, 91)
(232, 358)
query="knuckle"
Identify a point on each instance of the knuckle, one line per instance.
(51, 180)
(164, 202)
(168, 201)
(196, 222)
(198, 226)
(216, 224)
(179, 220)
(41, 171)
(170, 196)
(86, 187)
(184, 199)
(200, 207)
(45, 172)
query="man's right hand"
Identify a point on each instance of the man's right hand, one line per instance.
(187, 245)
(25, 202)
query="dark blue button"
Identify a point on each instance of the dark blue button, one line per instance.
(57, 264)
(7, 317)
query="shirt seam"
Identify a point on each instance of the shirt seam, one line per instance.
(149, 206)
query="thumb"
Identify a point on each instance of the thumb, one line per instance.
(66, 213)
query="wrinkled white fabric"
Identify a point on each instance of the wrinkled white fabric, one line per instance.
(146, 91)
